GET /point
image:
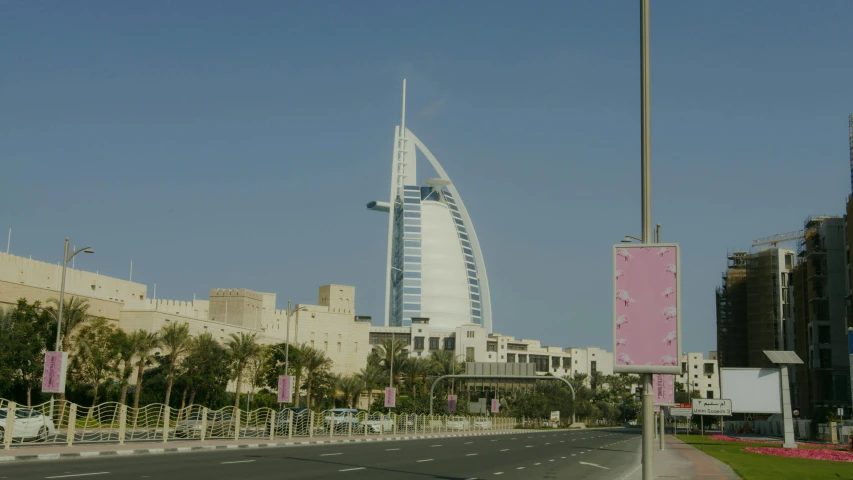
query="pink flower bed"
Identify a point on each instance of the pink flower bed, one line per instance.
(726, 438)
(831, 455)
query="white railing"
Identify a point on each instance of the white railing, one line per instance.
(62, 422)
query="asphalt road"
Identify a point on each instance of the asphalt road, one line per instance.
(586, 454)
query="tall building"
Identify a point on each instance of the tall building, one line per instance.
(753, 307)
(435, 265)
(731, 313)
(821, 301)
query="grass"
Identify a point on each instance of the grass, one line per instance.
(753, 466)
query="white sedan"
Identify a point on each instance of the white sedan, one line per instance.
(29, 424)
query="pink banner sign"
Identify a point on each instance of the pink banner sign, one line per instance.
(390, 397)
(53, 378)
(647, 308)
(495, 405)
(285, 389)
(451, 403)
(664, 386)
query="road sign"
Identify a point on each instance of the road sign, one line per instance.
(285, 389)
(53, 377)
(681, 412)
(796, 412)
(390, 397)
(714, 407)
(555, 417)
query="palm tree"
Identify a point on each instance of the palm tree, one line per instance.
(95, 355)
(351, 386)
(242, 348)
(175, 340)
(444, 362)
(144, 343)
(316, 364)
(391, 354)
(373, 377)
(75, 313)
(123, 360)
(415, 369)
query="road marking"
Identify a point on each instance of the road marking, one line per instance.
(352, 469)
(528, 446)
(391, 449)
(565, 457)
(435, 445)
(594, 465)
(562, 441)
(572, 455)
(551, 460)
(79, 475)
(498, 473)
(537, 464)
(494, 440)
(514, 438)
(330, 454)
(547, 444)
(236, 461)
(470, 454)
(468, 443)
(505, 449)
(425, 460)
(520, 468)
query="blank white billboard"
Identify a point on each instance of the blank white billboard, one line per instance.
(752, 390)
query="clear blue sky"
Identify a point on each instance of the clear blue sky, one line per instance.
(235, 144)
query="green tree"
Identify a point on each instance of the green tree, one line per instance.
(75, 313)
(144, 343)
(316, 364)
(373, 376)
(415, 370)
(207, 368)
(242, 348)
(351, 386)
(25, 332)
(123, 365)
(175, 340)
(95, 355)
(390, 354)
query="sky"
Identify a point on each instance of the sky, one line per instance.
(223, 144)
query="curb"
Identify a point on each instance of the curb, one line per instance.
(233, 446)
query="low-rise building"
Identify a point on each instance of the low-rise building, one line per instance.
(699, 374)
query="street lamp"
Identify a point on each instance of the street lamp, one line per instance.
(631, 238)
(65, 259)
(287, 336)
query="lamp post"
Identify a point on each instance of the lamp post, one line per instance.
(65, 259)
(287, 337)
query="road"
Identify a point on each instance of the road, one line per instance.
(581, 454)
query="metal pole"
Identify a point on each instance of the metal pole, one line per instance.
(662, 428)
(9, 241)
(61, 296)
(648, 427)
(287, 343)
(645, 123)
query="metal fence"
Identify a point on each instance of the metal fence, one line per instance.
(62, 422)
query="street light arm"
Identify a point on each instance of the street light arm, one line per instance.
(84, 249)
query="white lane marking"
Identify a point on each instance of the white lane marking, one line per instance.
(562, 457)
(435, 446)
(594, 465)
(391, 449)
(572, 455)
(330, 454)
(425, 460)
(493, 440)
(505, 449)
(562, 441)
(520, 468)
(537, 464)
(236, 461)
(352, 469)
(551, 460)
(79, 475)
(528, 446)
(468, 443)
(470, 454)
(547, 444)
(498, 473)
(514, 438)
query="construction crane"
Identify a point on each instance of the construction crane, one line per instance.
(779, 238)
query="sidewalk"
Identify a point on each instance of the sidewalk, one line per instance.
(681, 460)
(62, 452)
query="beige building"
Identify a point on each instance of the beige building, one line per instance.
(331, 325)
(700, 374)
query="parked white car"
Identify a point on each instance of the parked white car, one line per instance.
(483, 424)
(342, 416)
(457, 423)
(29, 425)
(378, 424)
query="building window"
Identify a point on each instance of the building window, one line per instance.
(567, 362)
(823, 334)
(492, 347)
(709, 394)
(470, 334)
(510, 358)
(376, 339)
(433, 343)
(522, 358)
(419, 343)
(450, 343)
(540, 361)
(555, 362)
(592, 366)
(825, 358)
(469, 354)
(339, 347)
(709, 369)
(325, 346)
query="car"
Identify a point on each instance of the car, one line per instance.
(482, 424)
(218, 423)
(457, 423)
(377, 423)
(341, 416)
(29, 425)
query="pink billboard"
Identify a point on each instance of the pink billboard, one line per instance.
(664, 386)
(646, 308)
(285, 389)
(53, 377)
(496, 406)
(390, 397)
(451, 403)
